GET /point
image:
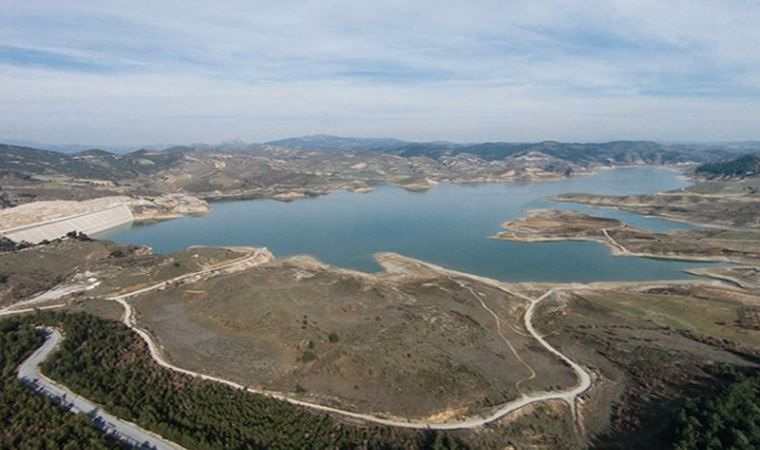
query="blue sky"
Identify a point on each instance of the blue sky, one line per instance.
(147, 72)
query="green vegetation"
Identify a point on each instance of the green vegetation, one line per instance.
(738, 235)
(728, 420)
(308, 356)
(742, 166)
(254, 321)
(275, 169)
(7, 245)
(107, 363)
(617, 151)
(27, 419)
(98, 165)
(699, 310)
(118, 253)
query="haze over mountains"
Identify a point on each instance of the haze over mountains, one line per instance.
(333, 142)
(293, 168)
(76, 161)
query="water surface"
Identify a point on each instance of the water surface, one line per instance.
(449, 225)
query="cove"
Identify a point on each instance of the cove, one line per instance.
(449, 225)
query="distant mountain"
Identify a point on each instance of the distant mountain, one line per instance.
(743, 166)
(730, 147)
(615, 152)
(328, 142)
(90, 164)
(43, 146)
(313, 165)
(102, 164)
(61, 148)
(607, 153)
(94, 152)
(78, 148)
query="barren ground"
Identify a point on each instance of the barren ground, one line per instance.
(409, 342)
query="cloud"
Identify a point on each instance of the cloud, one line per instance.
(108, 72)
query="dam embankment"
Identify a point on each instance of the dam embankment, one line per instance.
(50, 220)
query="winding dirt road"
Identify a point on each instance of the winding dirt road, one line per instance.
(260, 256)
(567, 395)
(614, 243)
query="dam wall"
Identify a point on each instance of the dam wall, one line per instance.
(90, 222)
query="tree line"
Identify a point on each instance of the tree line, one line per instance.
(27, 419)
(742, 166)
(728, 420)
(109, 364)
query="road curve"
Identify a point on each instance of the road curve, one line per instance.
(260, 256)
(29, 374)
(615, 243)
(568, 395)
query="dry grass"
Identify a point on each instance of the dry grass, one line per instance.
(409, 344)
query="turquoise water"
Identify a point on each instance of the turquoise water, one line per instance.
(449, 225)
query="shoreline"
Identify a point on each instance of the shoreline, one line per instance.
(201, 203)
(616, 251)
(569, 394)
(650, 216)
(394, 264)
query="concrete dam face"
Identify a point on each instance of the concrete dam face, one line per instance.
(90, 222)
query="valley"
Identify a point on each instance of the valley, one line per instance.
(470, 350)
(299, 330)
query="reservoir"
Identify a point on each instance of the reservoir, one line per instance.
(450, 225)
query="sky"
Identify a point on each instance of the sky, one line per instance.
(147, 72)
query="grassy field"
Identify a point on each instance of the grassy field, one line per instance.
(738, 235)
(115, 267)
(40, 268)
(410, 345)
(649, 351)
(717, 316)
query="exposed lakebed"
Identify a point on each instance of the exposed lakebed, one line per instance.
(450, 225)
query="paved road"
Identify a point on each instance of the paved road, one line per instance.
(29, 367)
(29, 373)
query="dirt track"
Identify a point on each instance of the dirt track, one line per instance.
(568, 395)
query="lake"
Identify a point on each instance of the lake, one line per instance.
(449, 225)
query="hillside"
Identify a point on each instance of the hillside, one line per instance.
(88, 164)
(328, 142)
(295, 168)
(414, 342)
(616, 152)
(743, 166)
(620, 152)
(410, 341)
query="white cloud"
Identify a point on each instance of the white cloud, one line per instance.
(183, 71)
